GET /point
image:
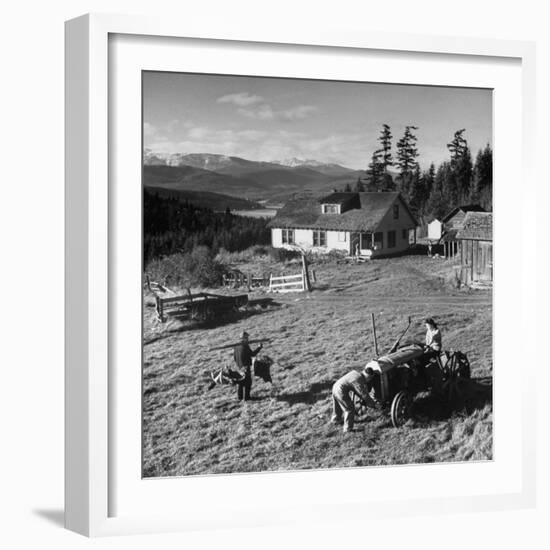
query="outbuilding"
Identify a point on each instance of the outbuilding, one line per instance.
(476, 249)
(452, 223)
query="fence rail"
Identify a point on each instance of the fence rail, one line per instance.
(287, 283)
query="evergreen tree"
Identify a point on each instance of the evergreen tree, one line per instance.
(439, 202)
(359, 186)
(429, 179)
(385, 141)
(375, 172)
(482, 187)
(462, 168)
(417, 195)
(347, 188)
(457, 146)
(407, 152)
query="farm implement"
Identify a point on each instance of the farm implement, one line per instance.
(198, 307)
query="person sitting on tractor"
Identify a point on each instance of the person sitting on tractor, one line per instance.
(433, 344)
(359, 383)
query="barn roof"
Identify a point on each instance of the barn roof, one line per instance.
(478, 226)
(463, 208)
(370, 208)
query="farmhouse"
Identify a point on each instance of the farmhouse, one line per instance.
(369, 224)
(452, 223)
(476, 248)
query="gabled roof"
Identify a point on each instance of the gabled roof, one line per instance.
(305, 213)
(338, 197)
(346, 200)
(463, 208)
(478, 226)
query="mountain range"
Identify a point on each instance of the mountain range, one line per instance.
(273, 181)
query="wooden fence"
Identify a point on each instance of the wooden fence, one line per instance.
(288, 283)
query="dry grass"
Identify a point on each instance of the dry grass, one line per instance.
(317, 337)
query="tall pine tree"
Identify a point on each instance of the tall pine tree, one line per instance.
(375, 172)
(482, 187)
(387, 183)
(462, 169)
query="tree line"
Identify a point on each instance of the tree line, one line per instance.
(171, 225)
(436, 191)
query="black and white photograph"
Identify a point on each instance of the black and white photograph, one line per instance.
(317, 274)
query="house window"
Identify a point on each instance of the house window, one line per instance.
(288, 236)
(319, 237)
(391, 239)
(331, 209)
(342, 236)
(366, 241)
(405, 234)
(378, 241)
(395, 211)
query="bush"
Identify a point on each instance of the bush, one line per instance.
(197, 268)
(246, 255)
(283, 255)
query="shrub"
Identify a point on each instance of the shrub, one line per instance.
(197, 268)
(283, 255)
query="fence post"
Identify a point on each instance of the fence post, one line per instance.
(305, 274)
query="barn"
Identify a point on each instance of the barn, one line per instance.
(365, 224)
(476, 248)
(452, 223)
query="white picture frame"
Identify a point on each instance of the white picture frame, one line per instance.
(94, 440)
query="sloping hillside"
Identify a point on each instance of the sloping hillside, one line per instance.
(316, 338)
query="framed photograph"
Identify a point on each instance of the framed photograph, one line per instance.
(291, 269)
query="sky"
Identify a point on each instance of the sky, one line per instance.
(330, 121)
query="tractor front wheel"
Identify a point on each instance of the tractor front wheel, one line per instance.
(400, 408)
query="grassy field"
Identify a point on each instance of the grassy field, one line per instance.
(316, 338)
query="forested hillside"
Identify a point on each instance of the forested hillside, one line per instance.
(171, 226)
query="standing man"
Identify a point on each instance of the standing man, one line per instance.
(242, 354)
(359, 383)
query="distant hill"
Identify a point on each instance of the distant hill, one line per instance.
(205, 199)
(244, 178)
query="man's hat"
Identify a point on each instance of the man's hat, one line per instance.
(244, 335)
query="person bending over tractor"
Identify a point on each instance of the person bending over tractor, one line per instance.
(243, 355)
(359, 383)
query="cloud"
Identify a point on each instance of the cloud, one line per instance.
(149, 130)
(266, 112)
(242, 99)
(299, 112)
(263, 112)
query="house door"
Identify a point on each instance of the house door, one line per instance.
(486, 263)
(354, 244)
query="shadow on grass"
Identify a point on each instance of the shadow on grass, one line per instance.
(218, 319)
(474, 395)
(316, 392)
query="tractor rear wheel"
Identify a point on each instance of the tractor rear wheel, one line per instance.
(400, 408)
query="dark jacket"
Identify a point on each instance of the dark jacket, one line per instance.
(243, 355)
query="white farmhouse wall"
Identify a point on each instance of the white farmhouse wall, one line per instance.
(303, 237)
(276, 237)
(434, 230)
(334, 242)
